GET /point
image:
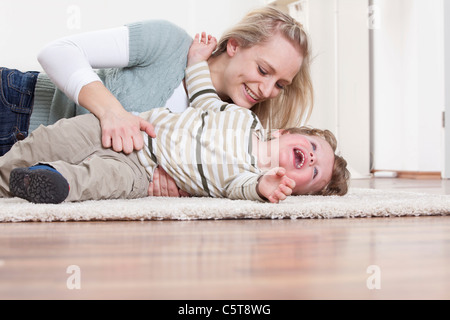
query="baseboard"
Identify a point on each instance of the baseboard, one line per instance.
(418, 175)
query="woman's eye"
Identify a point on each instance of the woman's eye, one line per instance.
(280, 86)
(262, 71)
(315, 173)
(313, 146)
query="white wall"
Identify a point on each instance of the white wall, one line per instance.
(322, 24)
(341, 75)
(408, 85)
(27, 25)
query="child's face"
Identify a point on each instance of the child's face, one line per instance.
(308, 160)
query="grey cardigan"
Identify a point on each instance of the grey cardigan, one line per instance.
(158, 55)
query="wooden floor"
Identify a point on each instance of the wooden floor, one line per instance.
(365, 258)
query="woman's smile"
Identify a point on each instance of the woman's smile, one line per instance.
(250, 95)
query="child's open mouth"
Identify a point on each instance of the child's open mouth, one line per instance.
(299, 158)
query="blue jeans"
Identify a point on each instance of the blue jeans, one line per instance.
(16, 105)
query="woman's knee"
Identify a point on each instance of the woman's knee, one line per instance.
(16, 104)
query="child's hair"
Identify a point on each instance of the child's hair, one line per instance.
(297, 99)
(340, 176)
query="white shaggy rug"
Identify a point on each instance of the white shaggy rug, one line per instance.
(357, 203)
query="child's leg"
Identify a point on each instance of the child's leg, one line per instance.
(70, 140)
(38, 184)
(104, 175)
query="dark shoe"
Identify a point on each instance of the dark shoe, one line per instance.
(38, 185)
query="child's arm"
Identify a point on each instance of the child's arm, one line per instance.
(201, 49)
(201, 91)
(274, 185)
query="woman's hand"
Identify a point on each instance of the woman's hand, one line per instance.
(121, 130)
(164, 186)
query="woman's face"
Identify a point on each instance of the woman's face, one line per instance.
(260, 72)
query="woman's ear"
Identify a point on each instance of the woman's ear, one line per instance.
(232, 47)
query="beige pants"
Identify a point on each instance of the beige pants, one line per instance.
(73, 147)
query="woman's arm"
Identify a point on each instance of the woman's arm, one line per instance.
(163, 185)
(121, 130)
(69, 62)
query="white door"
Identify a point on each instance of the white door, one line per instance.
(446, 129)
(341, 72)
(341, 75)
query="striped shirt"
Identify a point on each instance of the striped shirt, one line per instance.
(207, 149)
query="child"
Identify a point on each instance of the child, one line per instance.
(212, 149)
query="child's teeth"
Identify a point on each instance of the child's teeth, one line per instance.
(299, 165)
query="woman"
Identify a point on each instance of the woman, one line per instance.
(262, 63)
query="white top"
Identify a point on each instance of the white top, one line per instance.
(70, 62)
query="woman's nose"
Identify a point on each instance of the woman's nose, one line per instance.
(268, 89)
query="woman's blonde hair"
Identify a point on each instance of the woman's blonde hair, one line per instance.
(294, 105)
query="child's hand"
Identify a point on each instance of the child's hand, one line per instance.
(275, 185)
(201, 48)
